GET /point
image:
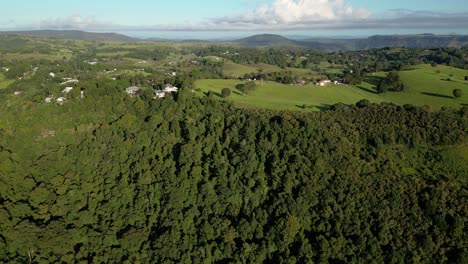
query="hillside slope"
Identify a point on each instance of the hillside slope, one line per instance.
(71, 34)
(330, 44)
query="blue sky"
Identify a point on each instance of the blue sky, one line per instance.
(218, 18)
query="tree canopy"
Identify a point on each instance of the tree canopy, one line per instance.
(197, 180)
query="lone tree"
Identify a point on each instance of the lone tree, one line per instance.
(466, 78)
(247, 87)
(226, 92)
(363, 103)
(457, 93)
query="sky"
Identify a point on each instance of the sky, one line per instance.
(236, 18)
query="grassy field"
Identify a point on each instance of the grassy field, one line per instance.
(271, 95)
(29, 56)
(425, 88)
(4, 82)
(237, 70)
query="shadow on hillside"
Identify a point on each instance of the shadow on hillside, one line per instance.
(234, 92)
(375, 80)
(437, 95)
(464, 104)
(367, 89)
(322, 107)
(214, 93)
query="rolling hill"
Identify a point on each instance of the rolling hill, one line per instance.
(425, 87)
(71, 34)
(267, 40)
(324, 44)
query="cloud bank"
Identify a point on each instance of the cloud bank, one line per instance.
(299, 11)
(285, 15)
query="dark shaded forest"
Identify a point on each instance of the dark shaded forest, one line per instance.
(191, 180)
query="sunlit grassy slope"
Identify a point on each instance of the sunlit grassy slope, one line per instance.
(425, 88)
(4, 82)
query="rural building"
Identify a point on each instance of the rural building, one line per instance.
(52, 74)
(67, 90)
(325, 83)
(300, 83)
(61, 100)
(133, 90)
(69, 80)
(18, 92)
(48, 133)
(167, 90)
(49, 99)
(170, 88)
(159, 94)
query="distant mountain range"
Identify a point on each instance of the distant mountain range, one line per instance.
(333, 44)
(267, 40)
(72, 34)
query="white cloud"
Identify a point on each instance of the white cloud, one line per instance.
(280, 15)
(74, 21)
(298, 11)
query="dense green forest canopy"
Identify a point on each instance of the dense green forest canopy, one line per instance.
(196, 180)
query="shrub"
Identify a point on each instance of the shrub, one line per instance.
(226, 92)
(457, 93)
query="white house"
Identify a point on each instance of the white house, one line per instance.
(325, 83)
(67, 90)
(159, 94)
(61, 100)
(174, 73)
(133, 90)
(82, 94)
(18, 92)
(69, 81)
(170, 88)
(49, 99)
(52, 74)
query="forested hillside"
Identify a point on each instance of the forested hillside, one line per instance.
(189, 180)
(358, 44)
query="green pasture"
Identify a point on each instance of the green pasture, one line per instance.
(272, 95)
(425, 87)
(4, 82)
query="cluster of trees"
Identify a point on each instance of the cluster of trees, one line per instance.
(285, 77)
(145, 53)
(280, 57)
(247, 87)
(197, 180)
(355, 76)
(391, 83)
